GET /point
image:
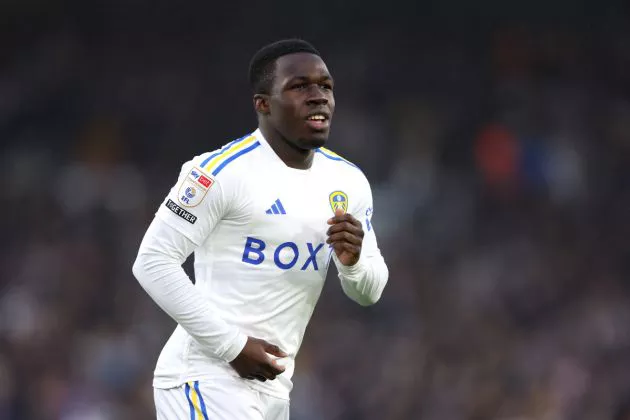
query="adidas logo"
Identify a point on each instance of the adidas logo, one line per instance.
(276, 208)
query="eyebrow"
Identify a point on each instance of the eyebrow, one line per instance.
(306, 78)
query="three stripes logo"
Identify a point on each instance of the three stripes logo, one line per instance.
(276, 208)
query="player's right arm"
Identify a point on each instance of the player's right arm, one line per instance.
(183, 222)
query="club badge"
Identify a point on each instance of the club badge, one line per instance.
(338, 200)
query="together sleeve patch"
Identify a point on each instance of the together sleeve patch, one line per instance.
(187, 216)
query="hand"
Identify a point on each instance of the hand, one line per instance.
(346, 237)
(254, 363)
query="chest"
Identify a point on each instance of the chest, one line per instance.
(294, 208)
(282, 221)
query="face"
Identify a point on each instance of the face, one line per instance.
(301, 101)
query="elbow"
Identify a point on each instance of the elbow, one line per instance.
(139, 269)
(369, 300)
(374, 295)
(363, 298)
(369, 290)
(149, 267)
(143, 272)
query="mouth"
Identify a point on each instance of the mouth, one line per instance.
(318, 121)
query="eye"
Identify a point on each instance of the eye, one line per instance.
(326, 86)
(299, 86)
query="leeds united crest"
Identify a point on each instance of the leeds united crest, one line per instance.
(338, 200)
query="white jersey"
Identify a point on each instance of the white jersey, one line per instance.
(261, 256)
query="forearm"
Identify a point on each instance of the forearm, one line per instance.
(365, 281)
(160, 273)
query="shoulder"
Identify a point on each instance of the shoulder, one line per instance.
(340, 165)
(226, 161)
(230, 156)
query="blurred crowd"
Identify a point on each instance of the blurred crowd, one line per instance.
(499, 159)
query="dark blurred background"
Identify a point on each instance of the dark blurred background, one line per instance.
(496, 136)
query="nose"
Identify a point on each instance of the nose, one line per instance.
(317, 100)
(316, 97)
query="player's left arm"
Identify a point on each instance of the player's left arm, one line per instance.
(362, 269)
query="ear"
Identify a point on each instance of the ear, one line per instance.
(261, 103)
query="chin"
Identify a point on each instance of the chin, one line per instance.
(314, 141)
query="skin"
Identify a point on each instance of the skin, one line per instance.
(301, 86)
(346, 236)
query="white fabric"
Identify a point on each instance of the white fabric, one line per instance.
(258, 272)
(158, 268)
(223, 399)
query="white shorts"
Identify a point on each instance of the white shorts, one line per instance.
(218, 399)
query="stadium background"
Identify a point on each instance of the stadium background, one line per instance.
(497, 140)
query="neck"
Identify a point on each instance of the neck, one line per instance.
(289, 153)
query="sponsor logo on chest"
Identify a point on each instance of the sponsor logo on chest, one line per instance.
(285, 256)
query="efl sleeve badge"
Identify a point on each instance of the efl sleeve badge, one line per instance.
(194, 187)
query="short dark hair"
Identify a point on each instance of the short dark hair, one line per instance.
(262, 65)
